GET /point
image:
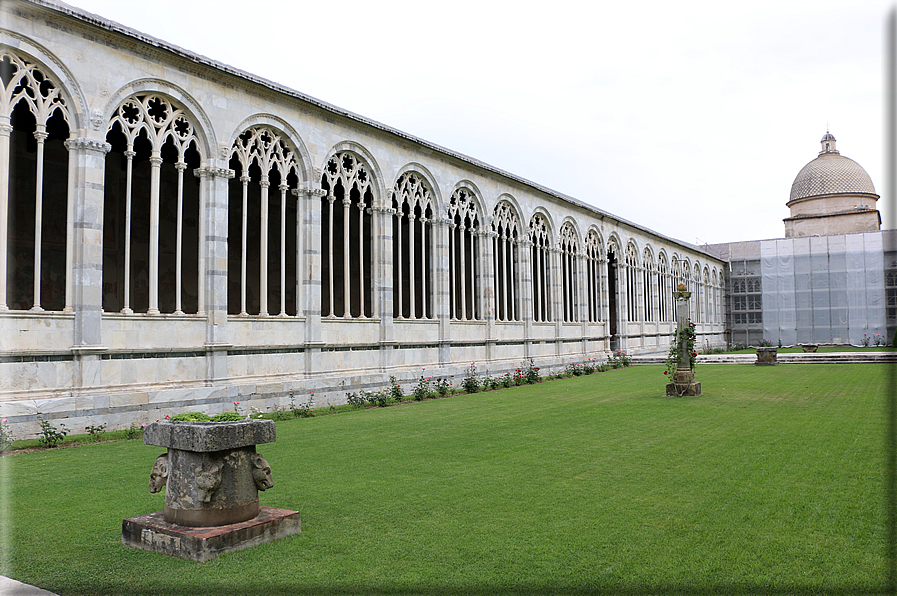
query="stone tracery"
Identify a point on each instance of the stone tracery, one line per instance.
(506, 230)
(32, 104)
(412, 247)
(593, 275)
(151, 131)
(346, 179)
(464, 250)
(569, 250)
(262, 157)
(540, 236)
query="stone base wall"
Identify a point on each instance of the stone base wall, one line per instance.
(172, 382)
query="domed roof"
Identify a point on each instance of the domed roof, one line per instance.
(831, 173)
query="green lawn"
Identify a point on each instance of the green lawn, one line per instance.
(770, 483)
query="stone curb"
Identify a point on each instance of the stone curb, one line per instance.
(11, 587)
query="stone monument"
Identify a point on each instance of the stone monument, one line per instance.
(683, 381)
(211, 474)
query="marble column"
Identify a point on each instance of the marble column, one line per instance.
(213, 263)
(88, 158)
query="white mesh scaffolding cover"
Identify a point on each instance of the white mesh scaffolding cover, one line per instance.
(823, 289)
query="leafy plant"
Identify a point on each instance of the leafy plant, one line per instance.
(395, 390)
(422, 390)
(191, 417)
(471, 382)
(686, 334)
(443, 386)
(50, 435)
(133, 431)
(96, 431)
(227, 417)
(530, 371)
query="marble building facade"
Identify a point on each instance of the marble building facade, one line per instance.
(176, 234)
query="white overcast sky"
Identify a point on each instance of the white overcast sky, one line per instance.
(690, 118)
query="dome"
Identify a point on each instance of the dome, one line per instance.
(831, 173)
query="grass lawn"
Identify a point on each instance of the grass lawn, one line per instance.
(771, 482)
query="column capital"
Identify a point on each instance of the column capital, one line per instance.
(214, 172)
(83, 143)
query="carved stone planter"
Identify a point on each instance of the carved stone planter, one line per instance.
(767, 356)
(809, 347)
(213, 471)
(211, 474)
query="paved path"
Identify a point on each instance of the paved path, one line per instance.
(799, 357)
(10, 587)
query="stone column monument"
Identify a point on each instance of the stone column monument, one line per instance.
(683, 381)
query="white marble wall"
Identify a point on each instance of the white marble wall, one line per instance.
(119, 369)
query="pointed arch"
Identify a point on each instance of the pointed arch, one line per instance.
(347, 236)
(414, 203)
(465, 223)
(507, 234)
(632, 264)
(152, 212)
(540, 237)
(648, 278)
(569, 247)
(264, 224)
(36, 204)
(594, 265)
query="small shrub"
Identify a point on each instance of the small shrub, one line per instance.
(573, 370)
(506, 380)
(96, 431)
(443, 386)
(50, 435)
(471, 382)
(588, 367)
(134, 431)
(191, 417)
(422, 390)
(530, 371)
(765, 343)
(356, 400)
(519, 377)
(620, 360)
(395, 390)
(226, 417)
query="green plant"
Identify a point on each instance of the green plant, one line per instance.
(687, 335)
(443, 386)
(96, 431)
(356, 400)
(395, 390)
(5, 435)
(620, 359)
(134, 431)
(471, 382)
(190, 417)
(894, 339)
(530, 371)
(506, 380)
(764, 343)
(422, 390)
(50, 435)
(226, 417)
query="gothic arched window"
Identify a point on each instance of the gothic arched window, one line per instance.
(412, 248)
(464, 252)
(346, 263)
(506, 227)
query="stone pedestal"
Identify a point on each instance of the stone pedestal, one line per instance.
(151, 532)
(211, 474)
(683, 384)
(809, 347)
(767, 356)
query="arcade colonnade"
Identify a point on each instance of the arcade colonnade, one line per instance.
(168, 244)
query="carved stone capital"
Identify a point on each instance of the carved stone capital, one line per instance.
(214, 172)
(86, 144)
